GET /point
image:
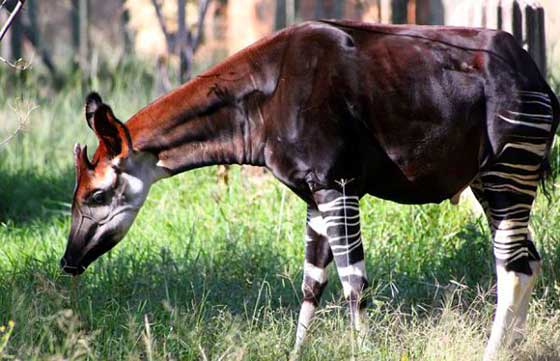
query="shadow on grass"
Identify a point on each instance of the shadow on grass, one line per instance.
(26, 195)
(427, 280)
(235, 277)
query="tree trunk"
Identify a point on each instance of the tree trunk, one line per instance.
(280, 18)
(290, 12)
(125, 29)
(75, 32)
(319, 9)
(84, 48)
(339, 8)
(183, 43)
(16, 38)
(399, 11)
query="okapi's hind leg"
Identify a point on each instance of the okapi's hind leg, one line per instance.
(507, 188)
(507, 199)
(318, 256)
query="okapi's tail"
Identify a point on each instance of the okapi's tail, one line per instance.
(546, 168)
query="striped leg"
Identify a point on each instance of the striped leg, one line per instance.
(508, 188)
(517, 264)
(341, 215)
(318, 256)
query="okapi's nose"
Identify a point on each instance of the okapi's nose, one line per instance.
(71, 269)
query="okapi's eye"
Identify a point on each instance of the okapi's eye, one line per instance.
(98, 197)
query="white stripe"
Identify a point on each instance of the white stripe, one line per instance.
(537, 149)
(508, 224)
(508, 209)
(539, 95)
(516, 177)
(339, 208)
(334, 224)
(347, 199)
(530, 168)
(504, 235)
(509, 188)
(537, 102)
(314, 272)
(346, 246)
(347, 289)
(547, 116)
(520, 255)
(510, 257)
(533, 125)
(318, 225)
(356, 269)
(517, 221)
(531, 92)
(347, 217)
(357, 244)
(349, 236)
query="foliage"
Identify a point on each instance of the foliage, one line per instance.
(212, 272)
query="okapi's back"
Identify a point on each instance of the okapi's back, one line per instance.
(416, 103)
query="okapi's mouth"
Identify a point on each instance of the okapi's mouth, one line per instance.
(102, 246)
(73, 270)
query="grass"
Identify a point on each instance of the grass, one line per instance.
(210, 272)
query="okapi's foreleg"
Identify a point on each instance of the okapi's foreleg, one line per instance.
(341, 215)
(318, 256)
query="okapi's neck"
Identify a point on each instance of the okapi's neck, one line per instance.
(214, 119)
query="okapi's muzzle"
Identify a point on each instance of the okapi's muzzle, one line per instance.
(90, 238)
(76, 264)
(70, 269)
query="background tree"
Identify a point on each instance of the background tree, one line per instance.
(79, 14)
(187, 39)
(127, 36)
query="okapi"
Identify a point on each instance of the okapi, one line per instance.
(336, 110)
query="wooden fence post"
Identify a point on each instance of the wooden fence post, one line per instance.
(541, 37)
(516, 22)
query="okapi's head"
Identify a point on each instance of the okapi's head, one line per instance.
(109, 191)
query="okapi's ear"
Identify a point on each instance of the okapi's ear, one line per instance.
(111, 132)
(93, 102)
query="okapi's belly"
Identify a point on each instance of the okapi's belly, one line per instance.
(428, 173)
(428, 190)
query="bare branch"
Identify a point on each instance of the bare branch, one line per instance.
(202, 10)
(23, 112)
(13, 15)
(20, 64)
(159, 14)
